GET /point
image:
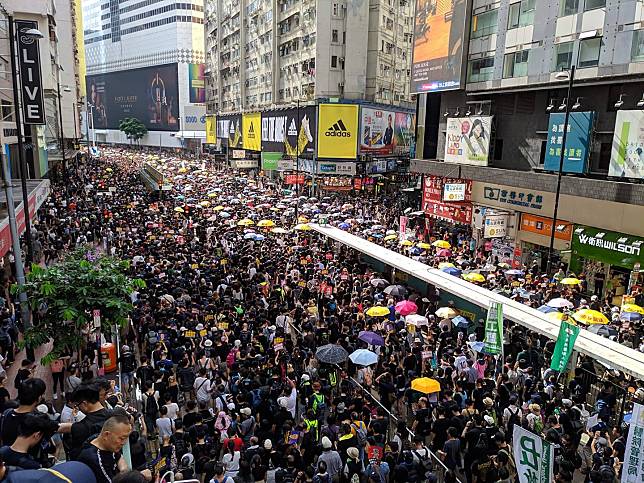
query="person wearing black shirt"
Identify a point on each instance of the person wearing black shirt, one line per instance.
(31, 430)
(86, 396)
(29, 395)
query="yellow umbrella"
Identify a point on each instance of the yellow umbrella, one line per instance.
(302, 219)
(570, 281)
(406, 243)
(109, 170)
(279, 231)
(245, 222)
(274, 209)
(441, 244)
(446, 313)
(218, 208)
(632, 308)
(205, 203)
(390, 237)
(303, 227)
(556, 316)
(212, 195)
(183, 170)
(446, 265)
(378, 311)
(425, 385)
(474, 277)
(590, 317)
(424, 246)
(178, 209)
(268, 223)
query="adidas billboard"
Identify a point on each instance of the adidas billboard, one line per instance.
(338, 131)
(282, 133)
(250, 125)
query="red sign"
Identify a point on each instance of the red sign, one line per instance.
(337, 183)
(435, 186)
(516, 260)
(460, 213)
(294, 179)
(357, 184)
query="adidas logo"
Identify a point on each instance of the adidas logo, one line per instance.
(292, 129)
(338, 130)
(251, 131)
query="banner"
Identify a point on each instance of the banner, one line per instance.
(439, 36)
(626, 159)
(229, 128)
(493, 339)
(565, 344)
(252, 138)
(197, 82)
(211, 130)
(468, 140)
(577, 149)
(608, 246)
(294, 179)
(270, 161)
(377, 131)
(495, 226)
(405, 133)
(403, 227)
(283, 132)
(338, 131)
(633, 468)
(533, 457)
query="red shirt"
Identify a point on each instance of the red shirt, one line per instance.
(239, 443)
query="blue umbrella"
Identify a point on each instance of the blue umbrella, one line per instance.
(476, 345)
(363, 357)
(630, 316)
(344, 226)
(546, 309)
(371, 338)
(452, 271)
(460, 321)
(249, 236)
(415, 251)
(514, 272)
(259, 237)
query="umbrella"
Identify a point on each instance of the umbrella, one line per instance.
(425, 385)
(371, 338)
(460, 321)
(211, 195)
(406, 307)
(406, 243)
(178, 209)
(377, 311)
(302, 219)
(245, 222)
(474, 277)
(556, 316)
(603, 330)
(452, 271)
(218, 208)
(632, 308)
(303, 227)
(391, 237)
(630, 316)
(570, 281)
(443, 265)
(446, 313)
(279, 231)
(590, 317)
(249, 236)
(266, 223)
(546, 309)
(204, 203)
(503, 265)
(415, 319)
(444, 252)
(377, 227)
(560, 303)
(344, 226)
(396, 291)
(378, 282)
(514, 271)
(424, 246)
(363, 357)
(442, 244)
(331, 354)
(476, 346)
(259, 237)
(224, 214)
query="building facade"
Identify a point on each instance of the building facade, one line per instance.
(146, 60)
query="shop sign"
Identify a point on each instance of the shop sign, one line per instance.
(437, 188)
(454, 191)
(543, 226)
(346, 168)
(508, 197)
(495, 226)
(375, 167)
(577, 149)
(450, 212)
(337, 183)
(270, 161)
(294, 179)
(237, 154)
(608, 246)
(245, 163)
(285, 165)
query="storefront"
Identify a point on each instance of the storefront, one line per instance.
(447, 199)
(607, 258)
(533, 240)
(493, 229)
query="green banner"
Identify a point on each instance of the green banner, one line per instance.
(269, 161)
(608, 246)
(494, 329)
(565, 344)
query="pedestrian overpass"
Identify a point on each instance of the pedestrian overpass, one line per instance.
(610, 353)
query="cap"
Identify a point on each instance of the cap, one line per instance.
(268, 444)
(199, 326)
(567, 403)
(341, 407)
(245, 411)
(353, 453)
(326, 442)
(282, 401)
(208, 343)
(238, 343)
(231, 406)
(593, 297)
(306, 378)
(42, 408)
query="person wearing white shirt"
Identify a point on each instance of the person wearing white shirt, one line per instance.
(289, 402)
(202, 386)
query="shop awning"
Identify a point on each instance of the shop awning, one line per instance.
(190, 134)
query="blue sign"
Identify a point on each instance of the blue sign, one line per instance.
(577, 149)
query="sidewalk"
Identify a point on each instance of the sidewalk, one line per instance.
(42, 372)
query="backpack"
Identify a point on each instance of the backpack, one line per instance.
(287, 476)
(256, 398)
(361, 434)
(513, 419)
(425, 466)
(180, 446)
(538, 425)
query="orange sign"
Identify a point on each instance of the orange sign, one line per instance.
(543, 226)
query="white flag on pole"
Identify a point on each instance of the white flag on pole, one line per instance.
(533, 456)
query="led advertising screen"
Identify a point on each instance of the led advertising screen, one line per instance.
(197, 82)
(149, 94)
(439, 38)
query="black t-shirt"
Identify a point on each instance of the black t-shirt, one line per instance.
(9, 423)
(90, 425)
(20, 460)
(104, 464)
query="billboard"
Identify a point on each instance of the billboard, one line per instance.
(439, 37)
(577, 147)
(338, 131)
(211, 130)
(252, 138)
(149, 94)
(468, 140)
(627, 156)
(33, 104)
(194, 118)
(433, 204)
(386, 132)
(197, 82)
(229, 128)
(405, 133)
(283, 132)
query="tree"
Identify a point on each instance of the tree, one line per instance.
(63, 297)
(132, 128)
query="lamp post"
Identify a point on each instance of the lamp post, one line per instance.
(61, 135)
(297, 165)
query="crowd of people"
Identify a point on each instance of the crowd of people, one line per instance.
(236, 366)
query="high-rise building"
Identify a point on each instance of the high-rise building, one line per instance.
(145, 60)
(262, 53)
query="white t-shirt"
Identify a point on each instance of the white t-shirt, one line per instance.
(173, 410)
(202, 386)
(231, 463)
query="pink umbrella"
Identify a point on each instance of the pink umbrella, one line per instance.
(406, 307)
(443, 252)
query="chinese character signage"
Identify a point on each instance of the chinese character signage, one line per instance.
(449, 212)
(468, 140)
(495, 226)
(577, 148)
(627, 156)
(455, 191)
(519, 199)
(494, 329)
(633, 468)
(533, 456)
(565, 344)
(543, 226)
(608, 246)
(294, 179)
(432, 203)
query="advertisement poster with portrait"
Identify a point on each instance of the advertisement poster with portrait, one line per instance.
(149, 94)
(405, 133)
(377, 131)
(468, 140)
(289, 131)
(627, 156)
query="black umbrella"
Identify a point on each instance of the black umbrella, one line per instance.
(331, 354)
(396, 290)
(603, 330)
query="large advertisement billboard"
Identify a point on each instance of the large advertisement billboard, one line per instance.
(439, 37)
(577, 149)
(229, 128)
(149, 94)
(627, 156)
(385, 132)
(468, 140)
(252, 139)
(197, 82)
(338, 131)
(283, 132)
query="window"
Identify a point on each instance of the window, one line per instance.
(604, 156)
(593, 4)
(521, 14)
(589, 52)
(334, 35)
(484, 24)
(637, 51)
(344, 37)
(335, 9)
(480, 70)
(563, 56)
(568, 7)
(334, 61)
(515, 64)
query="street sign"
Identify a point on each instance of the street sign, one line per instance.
(97, 319)
(33, 106)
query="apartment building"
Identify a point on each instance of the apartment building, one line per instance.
(263, 53)
(145, 59)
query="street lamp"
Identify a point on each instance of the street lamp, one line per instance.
(60, 119)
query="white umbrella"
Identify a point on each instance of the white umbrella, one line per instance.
(560, 303)
(416, 319)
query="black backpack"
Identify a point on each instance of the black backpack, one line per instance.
(512, 420)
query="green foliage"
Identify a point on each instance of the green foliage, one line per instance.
(132, 128)
(63, 296)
